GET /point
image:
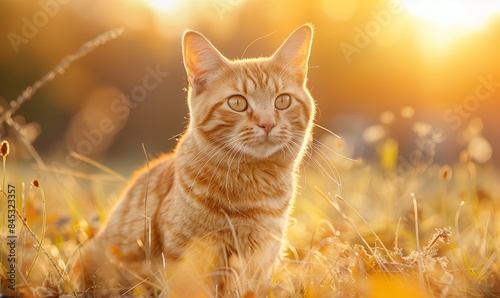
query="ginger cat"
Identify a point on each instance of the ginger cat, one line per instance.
(224, 194)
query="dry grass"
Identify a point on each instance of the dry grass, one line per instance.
(339, 246)
(433, 232)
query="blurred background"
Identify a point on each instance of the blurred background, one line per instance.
(390, 74)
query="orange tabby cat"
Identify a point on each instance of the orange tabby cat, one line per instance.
(227, 188)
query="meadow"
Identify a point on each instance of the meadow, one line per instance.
(388, 226)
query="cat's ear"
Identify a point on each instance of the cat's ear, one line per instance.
(201, 59)
(294, 52)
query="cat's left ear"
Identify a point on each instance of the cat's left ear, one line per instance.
(294, 52)
(201, 59)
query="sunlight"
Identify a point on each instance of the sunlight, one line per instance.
(164, 5)
(441, 23)
(454, 14)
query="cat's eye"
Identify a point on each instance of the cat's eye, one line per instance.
(283, 101)
(237, 103)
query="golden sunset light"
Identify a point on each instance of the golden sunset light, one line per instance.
(463, 14)
(163, 6)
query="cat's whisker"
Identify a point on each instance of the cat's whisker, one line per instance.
(290, 149)
(237, 150)
(212, 154)
(254, 41)
(333, 151)
(176, 136)
(296, 148)
(195, 159)
(234, 151)
(327, 130)
(241, 156)
(318, 149)
(331, 172)
(325, 165)
(216, 149)
(223, 159)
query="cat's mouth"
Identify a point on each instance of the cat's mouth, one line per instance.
(267, 140)
(264, 146)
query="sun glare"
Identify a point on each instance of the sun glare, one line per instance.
(441, 23)
(464, 14)
(164, 5)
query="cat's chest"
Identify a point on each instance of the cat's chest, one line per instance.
(236, 179)
(238, 190)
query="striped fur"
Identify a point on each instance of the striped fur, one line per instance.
(226, 190)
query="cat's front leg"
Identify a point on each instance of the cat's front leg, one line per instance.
(250, 273)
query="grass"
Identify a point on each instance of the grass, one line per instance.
(358, 229)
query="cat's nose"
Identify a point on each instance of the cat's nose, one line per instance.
(267, 126)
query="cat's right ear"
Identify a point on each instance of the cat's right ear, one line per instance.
(294, 52)
(201, 59)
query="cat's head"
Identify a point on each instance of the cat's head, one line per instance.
(258, 107)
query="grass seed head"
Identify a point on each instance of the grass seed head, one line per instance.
(445, 173)
(442, 235)
(4, 148)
